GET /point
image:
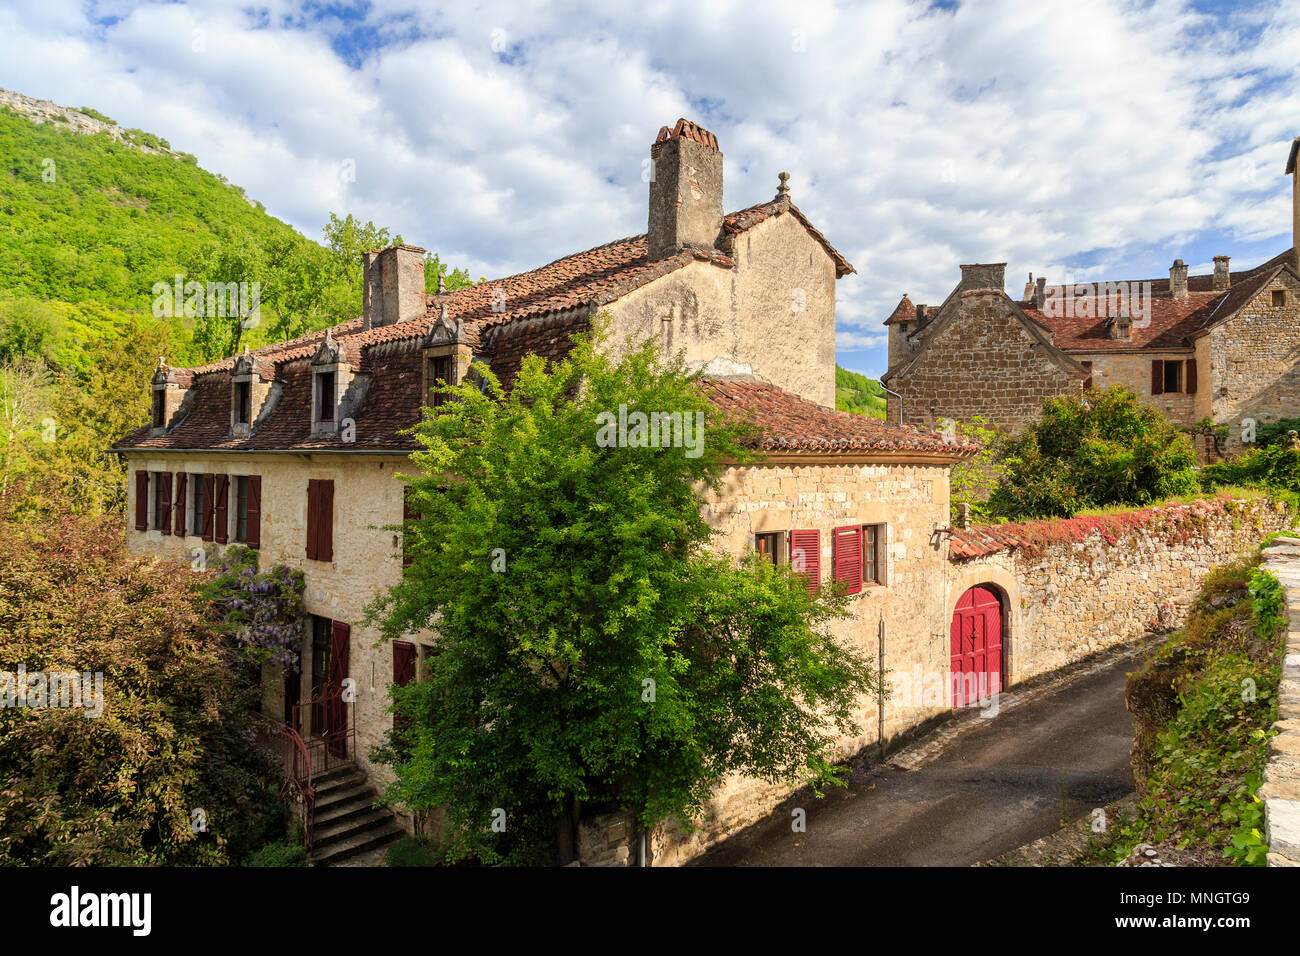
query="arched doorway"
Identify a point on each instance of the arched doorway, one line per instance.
(976, 665)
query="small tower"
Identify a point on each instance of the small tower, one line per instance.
(901, 322)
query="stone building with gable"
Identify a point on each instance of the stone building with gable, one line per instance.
(1223, 347)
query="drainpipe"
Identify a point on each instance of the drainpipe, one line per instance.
(897, 396)
(880, 730)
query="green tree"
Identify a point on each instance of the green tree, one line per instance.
(591, 649)
(1103, 447)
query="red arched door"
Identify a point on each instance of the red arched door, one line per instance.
(976, 666)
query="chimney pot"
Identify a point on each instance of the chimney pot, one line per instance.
(1178, 279)
(1222, 277)
(685, 190)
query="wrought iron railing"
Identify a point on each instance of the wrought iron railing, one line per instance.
(294, 759)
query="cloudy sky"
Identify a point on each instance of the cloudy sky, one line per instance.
(1076, 140)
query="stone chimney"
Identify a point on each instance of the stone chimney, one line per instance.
(978, 275)
(1178, 279)
(1222, 278)
(1294, 173)
(1040, 293)
(1029, 290)
(392, 287)
(685, 190)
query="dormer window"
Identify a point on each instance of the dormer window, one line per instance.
(243, 402)
(325, 396)
(168, 397)
(447, 357)
(331, 374)
(439, 374)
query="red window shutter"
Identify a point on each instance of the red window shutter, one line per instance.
(806, 556)
(178, 512)
(254, 522)
(336, 707)
(1157, 377)
(325, 544)
(165, 502)
(403, 663)
(848, 557)
(1087, 382)
(209, 506)
(1190, 384)
(313, 517)
(142, 501)
(221, 501)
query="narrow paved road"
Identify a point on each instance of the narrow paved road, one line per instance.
(999, 784)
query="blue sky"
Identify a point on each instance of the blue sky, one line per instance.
(1077, 140)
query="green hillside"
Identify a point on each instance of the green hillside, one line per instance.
(858, 394)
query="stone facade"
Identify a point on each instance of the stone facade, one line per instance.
(773, 312)
(991, 363)
(1280, 790)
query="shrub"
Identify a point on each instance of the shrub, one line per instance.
(414, 851)
(1272, 466)
(1092, 450)
(282, 853)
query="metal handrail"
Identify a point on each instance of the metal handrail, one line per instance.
(294, 758)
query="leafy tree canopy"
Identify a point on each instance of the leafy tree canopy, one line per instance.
(590, 647)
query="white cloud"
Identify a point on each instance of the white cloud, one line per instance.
(1106, 135)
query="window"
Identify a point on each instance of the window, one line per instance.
(902, 327)
(325, 396)
(220, 508)
(162, 501)
(439, 370)
(243, 394)
(1168, 376)
(1087, 382)
(241, 508)
(202, 506)
(142, 501)
(1279, 298)
(1173, 376)
(847, 554)
(873, 554)
(771, 546)
(806, 556)
(320, 519)
(159, 408)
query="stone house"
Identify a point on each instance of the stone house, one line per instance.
(1223, 347)
(294, 448)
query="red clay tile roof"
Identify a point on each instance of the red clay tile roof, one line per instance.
(905, 312)
(1173, 322)
(789, 423)
(738, 222)
(532, 312)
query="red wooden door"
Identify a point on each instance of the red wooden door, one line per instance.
(976, 666)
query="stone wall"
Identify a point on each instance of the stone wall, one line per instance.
(983, 361)
(1132, 370)
(1255, 361)
(1069, 589)
(1280, 790)
(774, 311)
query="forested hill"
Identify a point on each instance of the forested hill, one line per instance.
(858, 394)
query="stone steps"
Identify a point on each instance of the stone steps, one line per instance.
(347, 819)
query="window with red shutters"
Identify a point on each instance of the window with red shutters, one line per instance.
(1157, 377)
(220, 506)
(162, 516)
(178, 506)
(873, 553)
(254, 515)
(209, 507)
(142, 501)
(847, 555)
(1191, 377)
(320, 519)
(1087, 382)
(806, 556)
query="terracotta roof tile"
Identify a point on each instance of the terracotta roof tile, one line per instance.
(789, 423)
(904, 312)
